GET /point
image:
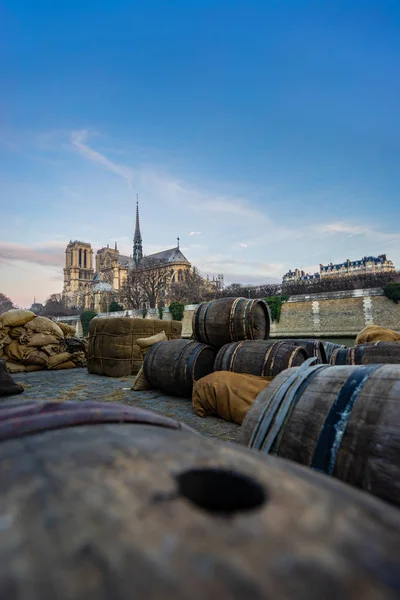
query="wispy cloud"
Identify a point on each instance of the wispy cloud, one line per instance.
(243, 245)
(50, 254)
(343, 227)
(194, 233)
(79, 141)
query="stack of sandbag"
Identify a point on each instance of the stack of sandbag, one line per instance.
(375, 333)
(226, 394)
(140, 382)
(31, 343)
(112, 344)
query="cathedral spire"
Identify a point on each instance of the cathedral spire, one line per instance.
(137, 240)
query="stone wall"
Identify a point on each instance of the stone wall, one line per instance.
(333, 314)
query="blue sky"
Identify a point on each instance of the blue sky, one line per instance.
(264, 133)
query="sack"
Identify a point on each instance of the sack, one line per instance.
(16, 332)
(16, 351)
(57, 359)
(44, 325)
(68, 330)
(113, 349)
(36, 357)
(13, 367)
(146, 343)
(65, 365)
(52, 349)
(42, 339)
(226, 394)
(140, 382)
(16, 316)
(30, 368)
(4, 337)
(374, 333)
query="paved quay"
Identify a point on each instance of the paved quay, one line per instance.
(79, 385)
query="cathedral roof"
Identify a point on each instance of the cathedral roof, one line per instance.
(125, 261)
(102, 286)
(173, 255)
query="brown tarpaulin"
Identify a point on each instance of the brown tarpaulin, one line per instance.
(226, 394)
(375, 333)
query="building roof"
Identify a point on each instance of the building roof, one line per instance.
(125, 261)
(173, 255)
(102, 286)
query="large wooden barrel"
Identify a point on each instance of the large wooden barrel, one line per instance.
(174, 366)
(259, 357)
(230, 320)
(132, 510)
(365, 354)
(313, 348)
(342, 421)
(329, 348)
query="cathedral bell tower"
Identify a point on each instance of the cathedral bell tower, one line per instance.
(137, 240)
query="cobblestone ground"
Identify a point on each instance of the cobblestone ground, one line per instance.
(78, 385)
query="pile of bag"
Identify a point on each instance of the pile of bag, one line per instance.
(31, 343)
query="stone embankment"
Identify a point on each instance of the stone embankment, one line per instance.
(78, 385)
(329, 315)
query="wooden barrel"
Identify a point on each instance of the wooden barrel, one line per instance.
(329, 348)
(342, 421)
(365, 354)
(134, 510)
(313, 348)
(230, 320)
(259, 357)
(175, 365)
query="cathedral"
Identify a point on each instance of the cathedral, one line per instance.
(94, 286)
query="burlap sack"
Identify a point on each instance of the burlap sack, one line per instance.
(13, 367)
(79, 359)
(65, 365)
(36, 357)
(57, 359)
(44, 325)
(16, 351)
(52, 349)
(140, 382)
(42, 339)
(68, 330)
(375, 333)
(4, 337)
(15, 317)
(30, 368)
(146, 343)
(226, 394)
(112, 347)
(16, 332)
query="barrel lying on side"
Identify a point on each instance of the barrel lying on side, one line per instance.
(175, 365)
(230, 320)
(139, 509)
(365, 354)
(329, 349)
(342, 421)
(258, 357)
(313, 348)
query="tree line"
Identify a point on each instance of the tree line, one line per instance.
(148, 286)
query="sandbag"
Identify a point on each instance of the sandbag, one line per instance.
(112, 344)
(4, 336)
(140, 382)
(57, 359)
(16, 351)
(42, 339)
(30, 368)
(13, 367)
(68, 330)
(226, 394)
(36, 357)
(44, 325)
(146, 343)
(68, 364)
(375, 333)
(16, 332)
(79, 359)
(52, 349)
(16, 316)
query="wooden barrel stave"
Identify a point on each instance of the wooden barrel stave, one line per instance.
(125, 526)
(226, 320)
(259, 357)
(174, 366)
(330, 347)
(313, 348)
(368, 441)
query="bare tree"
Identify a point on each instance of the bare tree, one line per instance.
(154, 274)
(108, 276)
(131, 293)
(192, 289)
(5, 303)
(56, 307)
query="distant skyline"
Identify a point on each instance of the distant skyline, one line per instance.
(264, 134)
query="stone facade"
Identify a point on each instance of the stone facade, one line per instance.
(367, 264)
